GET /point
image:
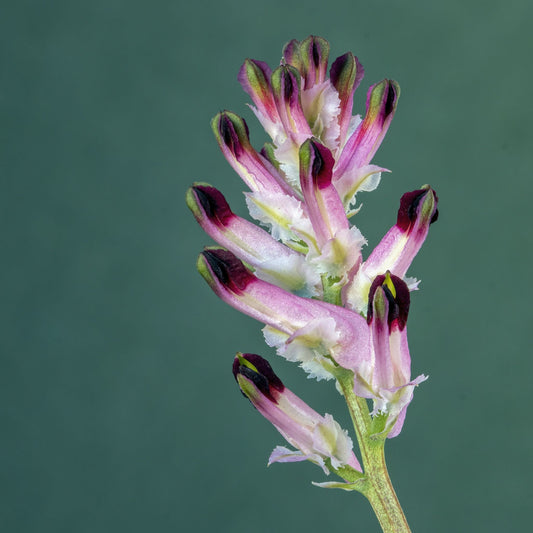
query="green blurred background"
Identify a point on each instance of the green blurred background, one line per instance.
(118, 408)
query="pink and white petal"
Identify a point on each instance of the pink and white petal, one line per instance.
(359, 179)
(281, 454)
(233, 139)
(254, 77)
(401, 243)
(285, 82)
(345, 74)
(340, 256)
(308, 346)
(287, 154)
(321, 107)
(272, 260)
(274, 128)
(382, 99)
(286, 217)
(329, 439)
(326, 210)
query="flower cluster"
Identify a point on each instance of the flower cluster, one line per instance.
(305, 278)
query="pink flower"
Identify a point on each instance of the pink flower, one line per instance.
(317, 438)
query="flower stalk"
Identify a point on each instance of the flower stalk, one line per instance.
(376, 484)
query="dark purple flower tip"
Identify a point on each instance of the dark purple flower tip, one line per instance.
(346, 74)
(315, 54)
(254, 76)
(232, 132)
(259, 372)
(317, 161)
(382, 99)
(286, 84)
(390, 100)
(420, 203)
(398, 297)
(309, 57)
(228, 269)
(291, 53)
(213, 204)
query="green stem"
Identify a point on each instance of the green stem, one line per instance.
(376, 486)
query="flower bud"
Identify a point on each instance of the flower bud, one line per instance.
(309, 57)
(233, 137)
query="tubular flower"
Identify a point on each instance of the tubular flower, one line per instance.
(317, 438)
(386, 375)
(303, 273)
(318, 335)
(398, 248)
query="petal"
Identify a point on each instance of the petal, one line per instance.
(281, 454)
(398, 248)
(254, 77)
(283, 311)
(358, 179)
(331, 440)
(362, 145)
(340, 256)
(310, 58)
(346, 74)
(233, 139)
(285, 216)
(271, 260)
(316, 437)
(286, 89)
(326, 210)
(321, 106)
(307, 346)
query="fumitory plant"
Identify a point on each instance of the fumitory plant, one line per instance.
(339, 316)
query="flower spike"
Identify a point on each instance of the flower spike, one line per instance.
(303, 275)
(317, 438)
